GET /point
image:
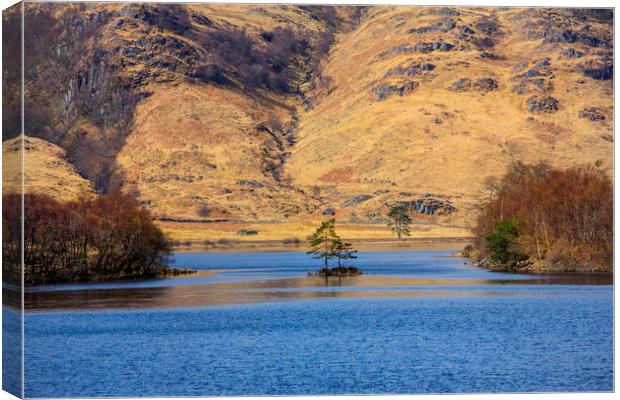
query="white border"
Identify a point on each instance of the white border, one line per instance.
(540, 3)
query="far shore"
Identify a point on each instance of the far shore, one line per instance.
(371, 244)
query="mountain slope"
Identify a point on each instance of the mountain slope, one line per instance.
(440, 121)
(225, 118)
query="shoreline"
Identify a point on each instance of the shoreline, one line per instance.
(447, 243)
(537, 267)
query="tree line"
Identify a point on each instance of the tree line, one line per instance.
(93, 238)
(535, 211)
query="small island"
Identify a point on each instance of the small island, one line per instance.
(327, 245)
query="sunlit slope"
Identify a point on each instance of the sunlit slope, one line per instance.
(198, 156)
(219, 123)
(45, 170)
(432, 121)
(215, 150)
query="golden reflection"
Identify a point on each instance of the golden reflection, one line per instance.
(287, 289)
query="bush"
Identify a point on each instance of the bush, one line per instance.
(502, 242)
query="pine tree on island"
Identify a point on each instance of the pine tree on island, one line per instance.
(326, 245)
(322, 244)
(343, 251)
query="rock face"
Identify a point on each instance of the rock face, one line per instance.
(382, 92)
(430, 206)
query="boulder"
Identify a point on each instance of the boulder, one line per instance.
(329, 212)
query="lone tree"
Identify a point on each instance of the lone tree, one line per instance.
(323, 242)
(343, 251)
(400, 220)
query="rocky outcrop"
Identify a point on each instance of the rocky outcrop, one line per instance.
(461, 85)
(592, 113)
(383, 92)
(573, 53)
(486, 85)
(444, 25)
(420, 47)
(601, 70)
(482, 85)
(430, 206)
(250, 183)
(356, 200)
(546, 104)
(554, 35)
(340, 272)
(412, 69)
(538, 78)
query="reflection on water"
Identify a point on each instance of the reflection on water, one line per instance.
(225, 278)
(280, 290)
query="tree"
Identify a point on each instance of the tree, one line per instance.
(502, 241)
(323, 242)
(343, 251)
(400, 219)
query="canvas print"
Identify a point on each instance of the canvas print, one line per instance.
(278, 199)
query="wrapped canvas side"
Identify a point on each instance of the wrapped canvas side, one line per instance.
(12, 201)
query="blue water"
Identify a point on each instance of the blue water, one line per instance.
(246, 266)
(513, 338)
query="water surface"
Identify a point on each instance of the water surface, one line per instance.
(255, 324)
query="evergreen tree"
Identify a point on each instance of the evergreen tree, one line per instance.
(323, 242)
(400, 220)
(343, 251)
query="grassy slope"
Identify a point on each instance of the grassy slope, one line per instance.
(193, 144)
(46, 170)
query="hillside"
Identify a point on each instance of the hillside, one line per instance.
(270, 118)
(46, 170)
(406, 117)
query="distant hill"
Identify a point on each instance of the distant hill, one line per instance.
(288, 114)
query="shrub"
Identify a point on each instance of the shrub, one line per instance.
(502, 241)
